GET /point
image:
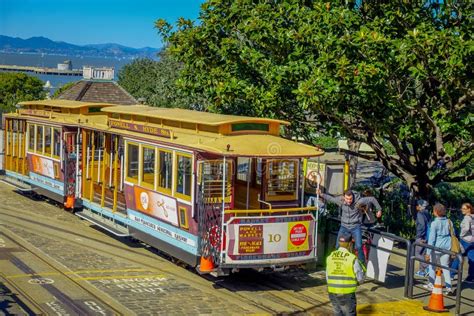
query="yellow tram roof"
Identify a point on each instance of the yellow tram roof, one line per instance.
(257, 145)
(188, 116)
(249, 145)
(64, 103)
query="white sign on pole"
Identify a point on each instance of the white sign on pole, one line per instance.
(378, 257)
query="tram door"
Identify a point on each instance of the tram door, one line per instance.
(102, 178)
(15, 155)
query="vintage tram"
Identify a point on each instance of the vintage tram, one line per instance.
(219, 192)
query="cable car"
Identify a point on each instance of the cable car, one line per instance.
(219, 192)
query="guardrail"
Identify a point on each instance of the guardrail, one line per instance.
(443, 251)
(406, 255)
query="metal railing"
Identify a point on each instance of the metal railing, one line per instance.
(438, 265)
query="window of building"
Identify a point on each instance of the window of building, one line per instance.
(281, 176)
(132, 162)
(166, 170)
(31, 137)
(183, 179)
(47, 141)
(56, 142)
(39, 139)
(148, 166)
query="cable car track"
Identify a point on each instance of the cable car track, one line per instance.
(273, 298)
(65, 299)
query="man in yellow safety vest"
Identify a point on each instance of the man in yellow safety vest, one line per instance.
(343, 274)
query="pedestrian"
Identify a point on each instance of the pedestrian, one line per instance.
(368, 216)
(439, 236)
(423, 219)
(343, 273)
(351, 217)
(466, 237)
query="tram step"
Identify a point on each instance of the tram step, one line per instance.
(19, 185)
(108, 225)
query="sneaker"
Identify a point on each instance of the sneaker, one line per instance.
(448, 291)
(428, 286)
(421, 274)
(469, 280)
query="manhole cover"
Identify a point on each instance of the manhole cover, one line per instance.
(41, 281)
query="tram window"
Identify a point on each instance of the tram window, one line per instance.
(242, 168)
(39, 139)
(8, 139)
(166, 169)
(183, 182)
(259, 172)
(250, 127)
(99, 147)
(56, 142)
(148, 166)
(281, 177)
(47, 140)
(183, 218)
(31, 135)
(15, 125)
(132, 162)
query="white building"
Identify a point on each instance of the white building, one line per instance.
(101, 73)
(66, 65)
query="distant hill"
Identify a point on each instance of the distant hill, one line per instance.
(45, 45)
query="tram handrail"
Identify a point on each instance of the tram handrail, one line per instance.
(439, 265)
(271, 211)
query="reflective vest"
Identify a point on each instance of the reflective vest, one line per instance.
(340, 272)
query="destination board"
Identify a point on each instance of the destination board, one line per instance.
(140, 128)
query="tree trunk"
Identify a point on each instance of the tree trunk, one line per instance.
(354, 147)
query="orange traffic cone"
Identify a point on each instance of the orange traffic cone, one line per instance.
(69, 202)
(206, 265)
(436, 303)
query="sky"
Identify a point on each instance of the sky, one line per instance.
(126, 22)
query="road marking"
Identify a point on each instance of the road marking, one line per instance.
(41, 281)
(154, 276)
(403, 307)
(74, 272)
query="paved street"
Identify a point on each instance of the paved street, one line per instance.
(67, 267)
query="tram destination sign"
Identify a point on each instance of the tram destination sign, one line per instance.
(34, 112)
(140, 128)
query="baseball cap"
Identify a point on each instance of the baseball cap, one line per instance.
(422, 203)
(345, 238)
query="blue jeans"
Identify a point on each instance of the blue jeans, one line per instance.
(469, 253)
(443, 259)
(356, 234)
(344, 304)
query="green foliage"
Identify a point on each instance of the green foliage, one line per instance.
(155, 82)
(394, 200)
(62, 88)
(396, 75)
(325, 142)
(16, 87)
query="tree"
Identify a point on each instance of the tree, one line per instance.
(396, 75)
(63, 88)
(155, 82)
(16, 87)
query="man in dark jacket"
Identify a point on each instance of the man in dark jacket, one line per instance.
(351, 216)
(423, 219)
